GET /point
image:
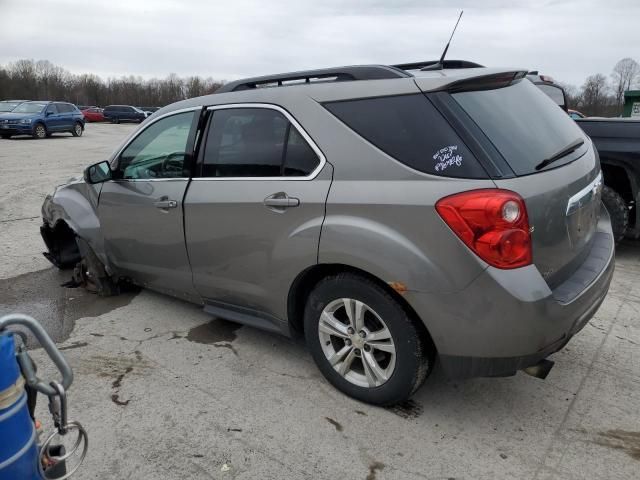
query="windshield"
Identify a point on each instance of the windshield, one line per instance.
(8, 106)
(30, 108)
(523, 123)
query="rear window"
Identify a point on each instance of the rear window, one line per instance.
(523, 123)
(411, 130)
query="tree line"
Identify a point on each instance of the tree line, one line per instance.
(42, 80)
(602, 96)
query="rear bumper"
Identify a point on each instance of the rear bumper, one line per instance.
(506, 320)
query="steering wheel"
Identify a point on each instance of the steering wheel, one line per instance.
(167, 166)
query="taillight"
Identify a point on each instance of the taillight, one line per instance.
(493, 223)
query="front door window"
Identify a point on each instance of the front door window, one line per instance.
(159, 151)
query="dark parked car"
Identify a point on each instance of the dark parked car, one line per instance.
(41, 119)
(390, 216)
(618, 143)
(149, 110)
(123, 113)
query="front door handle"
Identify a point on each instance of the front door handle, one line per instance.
(281, 200)
(165, 204)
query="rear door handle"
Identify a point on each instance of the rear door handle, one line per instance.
(281, 200)
(165, 204)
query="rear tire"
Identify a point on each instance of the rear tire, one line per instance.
(5, 136)
(77, 130)
(618, 211)
(380, 359)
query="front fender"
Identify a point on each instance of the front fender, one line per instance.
(76, 204)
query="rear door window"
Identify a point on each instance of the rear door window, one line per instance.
(64, 108)
(255, 142)
(300, 159)
(523, 123)
(412, 131)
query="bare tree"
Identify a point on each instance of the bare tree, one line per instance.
(572, 93)
(594, 93)
(624, 75)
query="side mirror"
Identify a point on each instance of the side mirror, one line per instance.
(49, 113)
(98, 173)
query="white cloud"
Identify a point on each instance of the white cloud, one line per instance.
(568, 40)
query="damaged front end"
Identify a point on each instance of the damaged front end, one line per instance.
(61, 244)
(71, 233)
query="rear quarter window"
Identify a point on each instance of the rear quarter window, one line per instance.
(412, 131)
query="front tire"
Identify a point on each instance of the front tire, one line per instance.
(618, 211)
(77, 130)
(364, 342)
(90, 272)
(5, 136)
(39, 131)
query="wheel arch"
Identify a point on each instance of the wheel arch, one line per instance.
(625, 180)
(60, 240)
(309, 278)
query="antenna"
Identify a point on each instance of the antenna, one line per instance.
(440, 64)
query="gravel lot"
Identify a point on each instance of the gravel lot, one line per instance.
(166, 391)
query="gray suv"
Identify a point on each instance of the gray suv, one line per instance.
(391, 215)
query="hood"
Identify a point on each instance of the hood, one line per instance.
(17, 116)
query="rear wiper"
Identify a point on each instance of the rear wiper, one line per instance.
(572, 147)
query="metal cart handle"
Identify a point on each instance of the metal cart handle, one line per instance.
(26, 364)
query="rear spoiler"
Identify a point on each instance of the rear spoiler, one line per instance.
(486, 82)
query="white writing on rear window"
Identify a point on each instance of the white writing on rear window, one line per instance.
(447, 157)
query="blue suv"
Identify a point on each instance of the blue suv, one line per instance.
(41, 119)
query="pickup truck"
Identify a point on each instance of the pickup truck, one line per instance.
(618, 143)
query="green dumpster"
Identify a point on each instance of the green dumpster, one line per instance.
(631, 104)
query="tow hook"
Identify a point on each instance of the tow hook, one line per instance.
(540, 369)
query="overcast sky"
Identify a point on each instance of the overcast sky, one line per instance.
(567, 39)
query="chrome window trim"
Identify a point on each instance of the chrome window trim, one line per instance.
(295, 124)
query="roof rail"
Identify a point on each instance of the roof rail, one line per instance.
(337, 74)
(446, 64)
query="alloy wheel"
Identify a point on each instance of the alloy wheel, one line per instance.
(78, 129)
(40, 131)
(357, 343)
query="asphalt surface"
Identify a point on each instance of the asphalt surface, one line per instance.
(166, 391)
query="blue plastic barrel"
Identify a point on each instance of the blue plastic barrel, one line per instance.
(18, 449)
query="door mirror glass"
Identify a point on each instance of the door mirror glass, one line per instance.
(98, 173)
